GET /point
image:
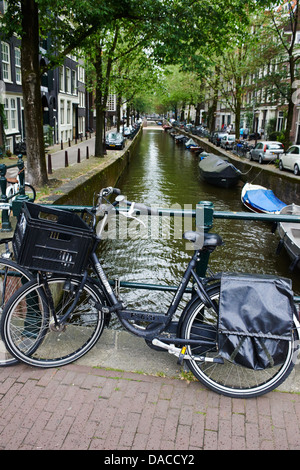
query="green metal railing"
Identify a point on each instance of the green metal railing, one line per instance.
(204, 215)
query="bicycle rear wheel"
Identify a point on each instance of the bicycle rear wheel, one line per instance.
(27, 324)
(12, 277)
(229, 379)
(30, 192)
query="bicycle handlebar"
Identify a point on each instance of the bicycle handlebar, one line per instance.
(134, 206)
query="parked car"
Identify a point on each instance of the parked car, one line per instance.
(188, 127)
(228, 141)
(291, 159)
(128, 131)
(114, 140)
(266, 151)
(216, 138)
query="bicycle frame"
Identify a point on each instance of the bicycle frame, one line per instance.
(154, 318)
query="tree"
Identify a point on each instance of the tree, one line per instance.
(69, 23)
(279, 57)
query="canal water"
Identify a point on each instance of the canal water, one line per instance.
(164, 174)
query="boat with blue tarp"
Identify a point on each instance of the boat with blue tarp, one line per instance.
(260, 199)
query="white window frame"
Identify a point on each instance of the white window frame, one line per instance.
(6, 62)
(62, 111)
(13, 113)
(68, 80)
(18, 66)
(68, 112)
(61, 73)
(73, 82)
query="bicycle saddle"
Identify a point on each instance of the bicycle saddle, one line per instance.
(209, 239)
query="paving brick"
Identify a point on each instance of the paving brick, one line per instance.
(78, 407)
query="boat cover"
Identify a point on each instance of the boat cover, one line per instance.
(255, 319)
(213, 163)
(264, 199)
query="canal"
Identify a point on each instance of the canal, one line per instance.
(166, 175)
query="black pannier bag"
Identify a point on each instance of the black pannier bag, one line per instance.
(255, 319)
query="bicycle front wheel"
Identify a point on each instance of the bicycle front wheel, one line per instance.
(28, 329)
(228, 378)
(12, 277)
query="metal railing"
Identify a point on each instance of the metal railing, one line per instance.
(204, 215)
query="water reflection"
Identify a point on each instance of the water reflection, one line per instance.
(165, 174)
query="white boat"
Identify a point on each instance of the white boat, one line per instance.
(289, 233)
(260, 199)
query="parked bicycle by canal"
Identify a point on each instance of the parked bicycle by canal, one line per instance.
(238, 334)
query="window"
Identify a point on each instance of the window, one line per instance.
(10, 111)
(111, 103)
(13, 113)
(74, 88)
(61, 79)
(81, 77)
(280, 121)
(18, 65)
(62, 111)
(68, 80)
(81, 99)
(68, 112)
(293, 150)
(5, 52)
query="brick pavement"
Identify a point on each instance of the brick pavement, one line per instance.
(83, 408)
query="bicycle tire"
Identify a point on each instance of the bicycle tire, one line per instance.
(30, 192)
(229, 379)
(12, 276)
(41, 344)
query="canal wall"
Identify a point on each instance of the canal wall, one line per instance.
(284, 184)
(106, 174)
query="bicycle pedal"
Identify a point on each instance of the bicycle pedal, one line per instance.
(181, 356)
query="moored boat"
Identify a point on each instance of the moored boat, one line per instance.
(219, 172)
(190, 143)
(289, 233)
(260, 199)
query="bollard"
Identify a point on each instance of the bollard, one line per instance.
(61, 145)
(87, 153)
(78, 156)
(66, 159)
(49, 164)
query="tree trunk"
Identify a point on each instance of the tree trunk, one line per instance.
(36, 163)
(197, 118)
(238, 106)
(291, 106)
(98, 103)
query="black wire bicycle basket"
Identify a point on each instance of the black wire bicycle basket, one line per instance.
(53, 240)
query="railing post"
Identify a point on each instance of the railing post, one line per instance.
(204, 222)
(6, 225)
(21, 169)
(21, 197)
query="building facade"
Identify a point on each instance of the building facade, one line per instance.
(64, 96)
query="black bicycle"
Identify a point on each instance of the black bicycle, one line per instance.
(59, 316)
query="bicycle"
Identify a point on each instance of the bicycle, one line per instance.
(12, 276)
(58, 317)
(13, 189)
